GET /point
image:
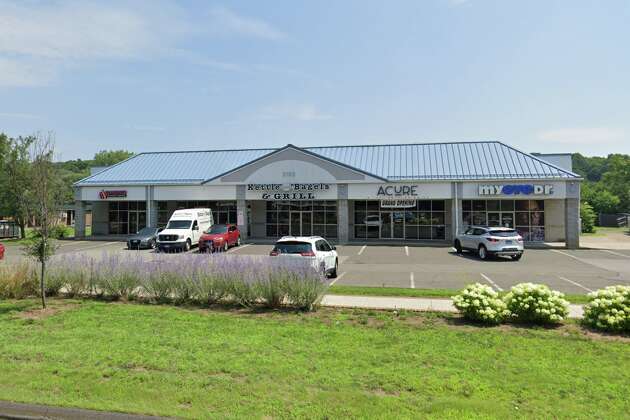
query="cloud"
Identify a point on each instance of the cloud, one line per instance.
(153, 128)
(226, 21)
(584, 136)
(38, 40)
(20, 115)
(300, 112)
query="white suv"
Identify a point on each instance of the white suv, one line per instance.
(486, 241)
(323, 256)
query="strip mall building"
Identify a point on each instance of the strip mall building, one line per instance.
(405, 192)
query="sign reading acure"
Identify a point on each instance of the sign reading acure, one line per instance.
(516, 189)
(288, 191)
(397, 191)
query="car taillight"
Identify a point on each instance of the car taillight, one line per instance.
(307, 254)
(273, 254)
(492, 239)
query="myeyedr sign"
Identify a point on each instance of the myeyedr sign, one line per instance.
(516, 189)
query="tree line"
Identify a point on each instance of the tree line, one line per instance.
(606, 186)
(18, 180)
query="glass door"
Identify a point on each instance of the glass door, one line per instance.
(398, 224)
(507, 219)
(295, 223)
(301, 223)
(386, 225)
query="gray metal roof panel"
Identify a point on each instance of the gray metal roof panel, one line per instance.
(484, 160)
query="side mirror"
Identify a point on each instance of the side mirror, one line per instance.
(334, 248)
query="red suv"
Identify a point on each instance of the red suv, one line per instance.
(219, 238)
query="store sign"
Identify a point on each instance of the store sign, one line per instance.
(288, 191)
(398, 204)
(397, 191)
(104, 194)
(516, 189)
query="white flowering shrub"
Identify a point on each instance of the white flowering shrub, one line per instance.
(479, 302)
(529, 302)
(609, 309)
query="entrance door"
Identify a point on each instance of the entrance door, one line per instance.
(392, 225)
(301, 223)
(501, 219)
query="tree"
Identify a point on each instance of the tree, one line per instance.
(602, 200)
(587, 215)
(46, 195)
(16, 180)
(617, 179)
(111, 157)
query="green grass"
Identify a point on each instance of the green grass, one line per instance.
(405, 292)
(605, 231)
(220, 363)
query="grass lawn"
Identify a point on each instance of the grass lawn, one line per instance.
(405, 292)
(604, 231)
(329, 364)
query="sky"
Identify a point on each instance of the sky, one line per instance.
(155, 75)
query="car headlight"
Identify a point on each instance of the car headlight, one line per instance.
(181, 236)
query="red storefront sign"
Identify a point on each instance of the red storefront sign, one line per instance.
(104, 194)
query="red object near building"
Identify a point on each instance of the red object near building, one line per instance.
(219, 238)
(1, 251)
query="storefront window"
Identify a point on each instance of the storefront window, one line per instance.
(527, 216)
(424, 221)
(127, 217)
(222, 211)
(301, 218)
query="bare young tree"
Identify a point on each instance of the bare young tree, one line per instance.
(45, 196)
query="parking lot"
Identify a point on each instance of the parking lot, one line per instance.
(569, 271)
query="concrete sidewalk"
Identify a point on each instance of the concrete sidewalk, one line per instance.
(411, 304)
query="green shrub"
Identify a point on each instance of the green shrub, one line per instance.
(588, 217)
(61, 231)
(18, 281)
(528, 302)
(479, 302)
(609, 309)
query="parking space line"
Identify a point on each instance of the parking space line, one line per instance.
(412, 281)
(489, 280)
(614, 253)
(406, 250)
(338, 278)
(236, 248)
(361, 250)
(570, 256)
(575, 283)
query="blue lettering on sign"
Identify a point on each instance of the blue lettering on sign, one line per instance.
(517, 189)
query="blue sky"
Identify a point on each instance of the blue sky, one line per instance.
(545, 76)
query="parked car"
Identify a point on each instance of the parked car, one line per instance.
(1, 251)
(322, 255)
(373, 220)
(488, 241)
(146, 238)
(219, 237)
(184, 229)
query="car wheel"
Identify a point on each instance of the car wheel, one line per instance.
(333, 273)
(225, 246)
(187, 246)
(517, 257)
(238, 241)
(483, 252)
(458, 247)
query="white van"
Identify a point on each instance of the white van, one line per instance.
(184, 229)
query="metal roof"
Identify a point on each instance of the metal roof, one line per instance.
(485, 160)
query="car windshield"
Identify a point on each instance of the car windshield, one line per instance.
(217, 229)
(147, 231)
(293, 247)
(503, 233)
(179, 224)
